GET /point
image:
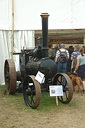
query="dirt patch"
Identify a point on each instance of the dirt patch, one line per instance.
(13, 115)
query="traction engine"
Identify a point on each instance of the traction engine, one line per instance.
(34, 60)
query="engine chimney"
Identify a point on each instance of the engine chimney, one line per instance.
(45, 33)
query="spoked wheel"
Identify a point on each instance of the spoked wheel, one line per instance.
(31, 92)
(10, 76)
(64, 80)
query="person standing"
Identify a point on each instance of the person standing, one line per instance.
(81, 66)
(61, 65)
(74, 58)
(76, 52)
(70, 50)
(50, 52)
(54, 52)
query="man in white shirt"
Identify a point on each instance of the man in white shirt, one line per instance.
(61, 66)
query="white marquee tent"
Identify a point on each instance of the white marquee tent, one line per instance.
(64, 14)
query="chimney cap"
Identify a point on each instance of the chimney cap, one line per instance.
(44, 15)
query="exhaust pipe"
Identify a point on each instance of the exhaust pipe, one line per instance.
(44, 17)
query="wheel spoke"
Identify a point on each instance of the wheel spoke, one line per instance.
(66, 95)
(59, 81)
(32, 101)
(61, 98)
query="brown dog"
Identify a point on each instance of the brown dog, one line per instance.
(76, 81)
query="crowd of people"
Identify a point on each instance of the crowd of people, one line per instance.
(75, 62)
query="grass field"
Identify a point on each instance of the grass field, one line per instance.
(15, 114)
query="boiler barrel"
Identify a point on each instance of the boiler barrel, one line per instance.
(45, 65)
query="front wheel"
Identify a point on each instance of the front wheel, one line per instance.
(31, 92)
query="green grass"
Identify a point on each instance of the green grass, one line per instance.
(47, 103)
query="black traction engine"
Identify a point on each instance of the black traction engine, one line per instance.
(32, 61)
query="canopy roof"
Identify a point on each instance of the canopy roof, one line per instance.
(64, 14)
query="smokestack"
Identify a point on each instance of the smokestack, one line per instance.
(45, 33)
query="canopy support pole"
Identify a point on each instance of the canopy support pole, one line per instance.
(12, 28)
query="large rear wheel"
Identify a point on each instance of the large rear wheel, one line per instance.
(10, 76)
(64, 80)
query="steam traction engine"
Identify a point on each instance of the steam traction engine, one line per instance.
(32, 61)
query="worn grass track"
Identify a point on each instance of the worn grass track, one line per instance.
(15, 114)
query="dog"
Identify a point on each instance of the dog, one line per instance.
(76, 81)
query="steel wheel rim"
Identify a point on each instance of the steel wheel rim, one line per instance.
(10, 76)
(31, 92)
(67, 87)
